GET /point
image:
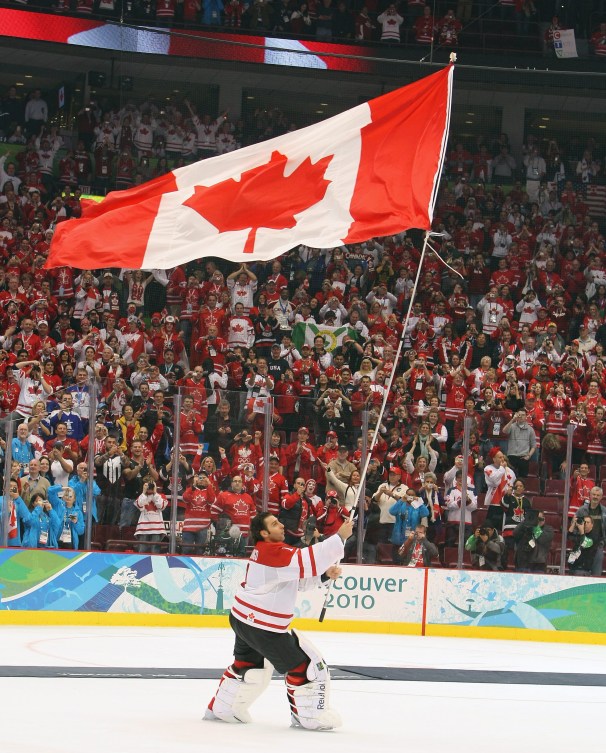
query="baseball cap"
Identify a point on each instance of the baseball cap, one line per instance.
(343, 448)
(331, 434)
(331, 493)
(170, 320)
(396, 471)
(304, 428)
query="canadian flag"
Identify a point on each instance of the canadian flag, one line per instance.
(372, 170)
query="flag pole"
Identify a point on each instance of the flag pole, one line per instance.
(428, 235)
(396, 359)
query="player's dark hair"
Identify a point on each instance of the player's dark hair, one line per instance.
(257, 524)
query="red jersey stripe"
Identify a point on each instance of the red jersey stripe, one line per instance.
(265, 611)
(272, 625)
(301, 568)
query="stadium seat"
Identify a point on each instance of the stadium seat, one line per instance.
(602, 473)
(533, 469)
(547, 504)
(553, 559)
(554, 519)
(554, 487)
(451, 555)
(385, 554)
(532, 484)
(102, 533)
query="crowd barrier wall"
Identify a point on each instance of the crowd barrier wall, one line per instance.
(102, 588)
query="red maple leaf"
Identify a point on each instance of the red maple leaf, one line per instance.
(241, 507)
(263, 197)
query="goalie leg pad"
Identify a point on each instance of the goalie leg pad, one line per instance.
(310, 702)
(237, 692)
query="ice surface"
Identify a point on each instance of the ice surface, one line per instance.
(135, 716)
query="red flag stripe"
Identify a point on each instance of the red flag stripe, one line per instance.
(396, 187)
(76, 244)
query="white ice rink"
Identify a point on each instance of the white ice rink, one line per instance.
(105, 715)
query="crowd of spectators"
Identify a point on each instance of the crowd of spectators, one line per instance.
(409, 21)
(509, 332)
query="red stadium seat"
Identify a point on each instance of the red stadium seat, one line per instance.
(547, 504)
(101, 534)
(554, 519)
(385, 554)
(532, 484)
(451, 554)
(554, 487)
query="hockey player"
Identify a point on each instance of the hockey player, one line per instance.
(260, 617)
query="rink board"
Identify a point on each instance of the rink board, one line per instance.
(105, 588)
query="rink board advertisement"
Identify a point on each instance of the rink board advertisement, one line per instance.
(37, 580)
(523, 601)
(45, 586)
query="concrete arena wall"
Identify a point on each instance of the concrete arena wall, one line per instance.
(64, 587)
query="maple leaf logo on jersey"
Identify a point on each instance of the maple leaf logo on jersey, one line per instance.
(241, 507)
(263, 197)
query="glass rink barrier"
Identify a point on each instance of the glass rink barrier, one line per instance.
(178, 461)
